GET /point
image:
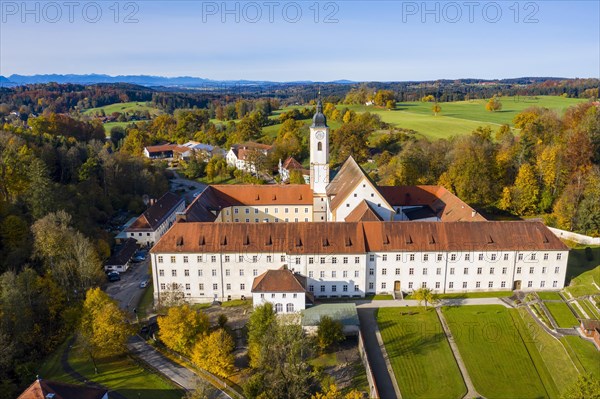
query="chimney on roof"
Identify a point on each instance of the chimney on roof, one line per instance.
(348, 242)
(386, 240)
(202, 242)
(431, 239)
(325, 242)
(490, 239)
(409, 239)
(180, 217)
(180, 241)
(473, 213)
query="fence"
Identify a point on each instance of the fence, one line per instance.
(579, 238)
(370, 376)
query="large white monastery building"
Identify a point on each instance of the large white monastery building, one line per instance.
(349, 237)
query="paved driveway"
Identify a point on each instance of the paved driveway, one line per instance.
(127, 291)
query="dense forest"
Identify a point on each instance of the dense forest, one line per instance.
(64, 186)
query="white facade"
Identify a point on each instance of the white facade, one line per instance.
(319, 159)
(283, 302)
(364, 191)
(266, 213)
(223, 276)
(148, 236)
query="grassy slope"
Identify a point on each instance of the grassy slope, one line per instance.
(489, 294)
(420, 354)
(584, 353)
(562, 314)
(582, 284)
(556, 368)
(495, 355)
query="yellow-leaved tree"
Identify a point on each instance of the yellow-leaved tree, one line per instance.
(182, 327)
(104, 328)
(333, 392)
(214, 353)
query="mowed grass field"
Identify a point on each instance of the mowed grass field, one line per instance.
(129, 107)
(494, 352)
(461, 117)
(562, 314)
(419, 352)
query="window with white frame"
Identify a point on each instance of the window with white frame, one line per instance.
(310, 274)
(356, 288)
(345, 260)
(371, 285)
(412, 257)
(186, 273)
(464, 284)
(383, 285)
(356, 273)
(160, 259)
(201, 286)
(371, 257)
(451, 270)
(557, 269)
(333, 274)
(424, 271)
(558, 256)
(397, 271)
(173, 273)
(322, 274)
(411, 271)
(398, 257)
(451, 284)
(384, 271)
(437, 284)
(424, 284)
(334, 260)
(503, 284)
(172, 258)
(357, 259)
(185, 259)
(478, 284)
(410, 284)
(384, 257)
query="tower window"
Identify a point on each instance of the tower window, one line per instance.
(319, 146)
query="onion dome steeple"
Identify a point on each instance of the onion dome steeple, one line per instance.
(319, 119)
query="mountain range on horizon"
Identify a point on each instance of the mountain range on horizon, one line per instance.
(196, 82)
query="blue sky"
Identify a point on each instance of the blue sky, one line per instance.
(286, 40)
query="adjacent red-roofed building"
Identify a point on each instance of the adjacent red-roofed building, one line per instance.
(283, 288)
(151, 225)
(45, 389)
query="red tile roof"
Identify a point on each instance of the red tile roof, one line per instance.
(154, 216)
(359, 237)
(41, 388)
(447, 206)
(215, 198)
(363, 213)
(281, 280)
(291, 164)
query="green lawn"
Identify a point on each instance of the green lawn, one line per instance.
(550, 295)
(552, 361)
(495, 355)
(420, 355)
(490, 294)
(584, 353)
(121, 374)
(125, 376)
(562, 314)
(129, 107)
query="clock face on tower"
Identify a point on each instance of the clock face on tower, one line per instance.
(320, 134)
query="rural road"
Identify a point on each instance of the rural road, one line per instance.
(127, 291)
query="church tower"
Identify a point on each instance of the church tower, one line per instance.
(319, 152)
(319, 163)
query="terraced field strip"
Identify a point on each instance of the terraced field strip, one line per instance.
(419, 353)
(584, 353)
(494, 352)
(562, 314)
(589, 308)
(550, 357)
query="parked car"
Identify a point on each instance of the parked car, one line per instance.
(138, 258)
(114, 276)
(144, 284)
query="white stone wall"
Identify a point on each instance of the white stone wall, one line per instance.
(283, 302)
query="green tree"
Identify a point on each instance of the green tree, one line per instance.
(214, 353)
(425, 295)
(296, 177)
(104, 328)
(329, 332)
(181, 327)
(39, 196)
(260, 323)
(586, 387)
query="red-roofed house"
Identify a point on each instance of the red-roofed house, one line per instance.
(239, 154)
(156, 220)
(44, 389)
(283, 288)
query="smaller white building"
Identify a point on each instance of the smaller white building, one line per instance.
(240, 155)
(283, 288)
(151, 225)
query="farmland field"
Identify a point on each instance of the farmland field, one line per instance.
(456, 118)
(549, 295)
(129, 107)
(562, 314)
(420, 355)
(494, 352)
